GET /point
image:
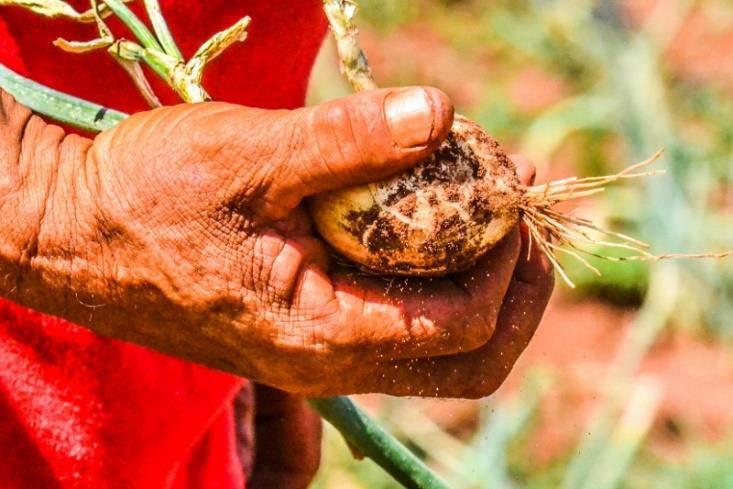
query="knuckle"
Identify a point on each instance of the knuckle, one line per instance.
(537, 294)
(335, 336)
(340, 122)
(526, 170)
(339, 117)
(11, 111)
(303, 148)
(548, 282)
(514, 239)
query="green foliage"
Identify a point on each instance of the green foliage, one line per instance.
(386, 14)
(622, 283)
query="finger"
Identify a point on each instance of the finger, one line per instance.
(366, 137)
(281, 156)
(533, 266)
(376, 318)
(477, 373)
(526, 300)
(526, 171)
(271, 263)
(287, 440)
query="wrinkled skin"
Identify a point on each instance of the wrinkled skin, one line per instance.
(189, 219)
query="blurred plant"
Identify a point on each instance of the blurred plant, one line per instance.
(480, 462)
(386, 14)
(619, 89)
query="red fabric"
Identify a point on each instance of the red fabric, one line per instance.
(78, 410)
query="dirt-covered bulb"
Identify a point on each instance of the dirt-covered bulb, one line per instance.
(436, 218)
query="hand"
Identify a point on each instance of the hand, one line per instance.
(182, 229)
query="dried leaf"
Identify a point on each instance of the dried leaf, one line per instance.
(83, 46)
(215, 46)
(99, 12)
(58, 8)
(135, 71)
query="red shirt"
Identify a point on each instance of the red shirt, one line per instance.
(79, 410)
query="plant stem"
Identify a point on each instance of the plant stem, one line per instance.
(158, 61)
(161, 29)
(362, 432)
(133, 23)
(60, 106)
(354, 64)
(56, 9)
(373, 441)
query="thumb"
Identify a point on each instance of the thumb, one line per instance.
(365, 137)
(282, 156)
(356, 139)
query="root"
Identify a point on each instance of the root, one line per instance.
(552, 231)
(574, 188)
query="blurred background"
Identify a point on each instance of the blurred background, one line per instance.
(629, 380)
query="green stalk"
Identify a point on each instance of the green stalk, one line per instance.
(371, 440)
(161, 29)
(158, 61)
(362, 432)
(133, 23)
(60, 106)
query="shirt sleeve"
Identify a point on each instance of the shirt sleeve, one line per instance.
(9, 52)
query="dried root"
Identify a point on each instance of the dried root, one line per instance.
(552, 231)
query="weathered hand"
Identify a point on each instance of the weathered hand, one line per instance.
(183, 229)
